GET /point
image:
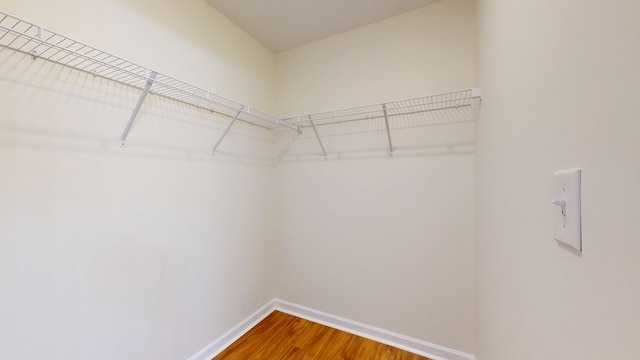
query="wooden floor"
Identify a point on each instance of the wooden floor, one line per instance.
(284, 337)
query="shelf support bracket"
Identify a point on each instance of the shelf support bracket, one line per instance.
(291, 141)
(313, 126)
(150, 80)
(215, 147)
(386, 124)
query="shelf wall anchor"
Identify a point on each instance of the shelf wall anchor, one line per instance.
(476, 92)
(386, 124)
(313, 126)
(34, 53)
(215, 147)
(143, 96)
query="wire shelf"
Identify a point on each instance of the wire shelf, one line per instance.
(439, 102)
(41, 43)
(406, 119)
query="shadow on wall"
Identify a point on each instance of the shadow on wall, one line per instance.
(449, 150)
(53, 107)
(449, 130)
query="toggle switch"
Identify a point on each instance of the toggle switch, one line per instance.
(563, 206)
(566, 217)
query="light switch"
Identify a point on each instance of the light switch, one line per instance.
(566, 217)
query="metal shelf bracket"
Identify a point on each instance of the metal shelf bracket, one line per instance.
(386, 124)
(215, 147)
(291, 141)
(143, 96)
(313, 126)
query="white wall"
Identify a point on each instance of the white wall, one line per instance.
(146, 252)
(388, 242)
(422, 52)
(560, 82)
(190, 41)
(384, 242)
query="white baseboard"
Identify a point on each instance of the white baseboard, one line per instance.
(423, 348)
(228, 338)
(416, 346)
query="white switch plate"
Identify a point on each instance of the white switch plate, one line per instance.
(567, 226)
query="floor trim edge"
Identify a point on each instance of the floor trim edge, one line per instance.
(229, 337)
(416, 346)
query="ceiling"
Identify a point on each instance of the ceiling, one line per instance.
(284, 24)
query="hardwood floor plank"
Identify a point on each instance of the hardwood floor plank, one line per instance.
(281, 336)
(261, 335)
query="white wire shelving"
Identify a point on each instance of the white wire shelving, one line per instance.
(457, 105)
(40, 43)
(25, 37)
